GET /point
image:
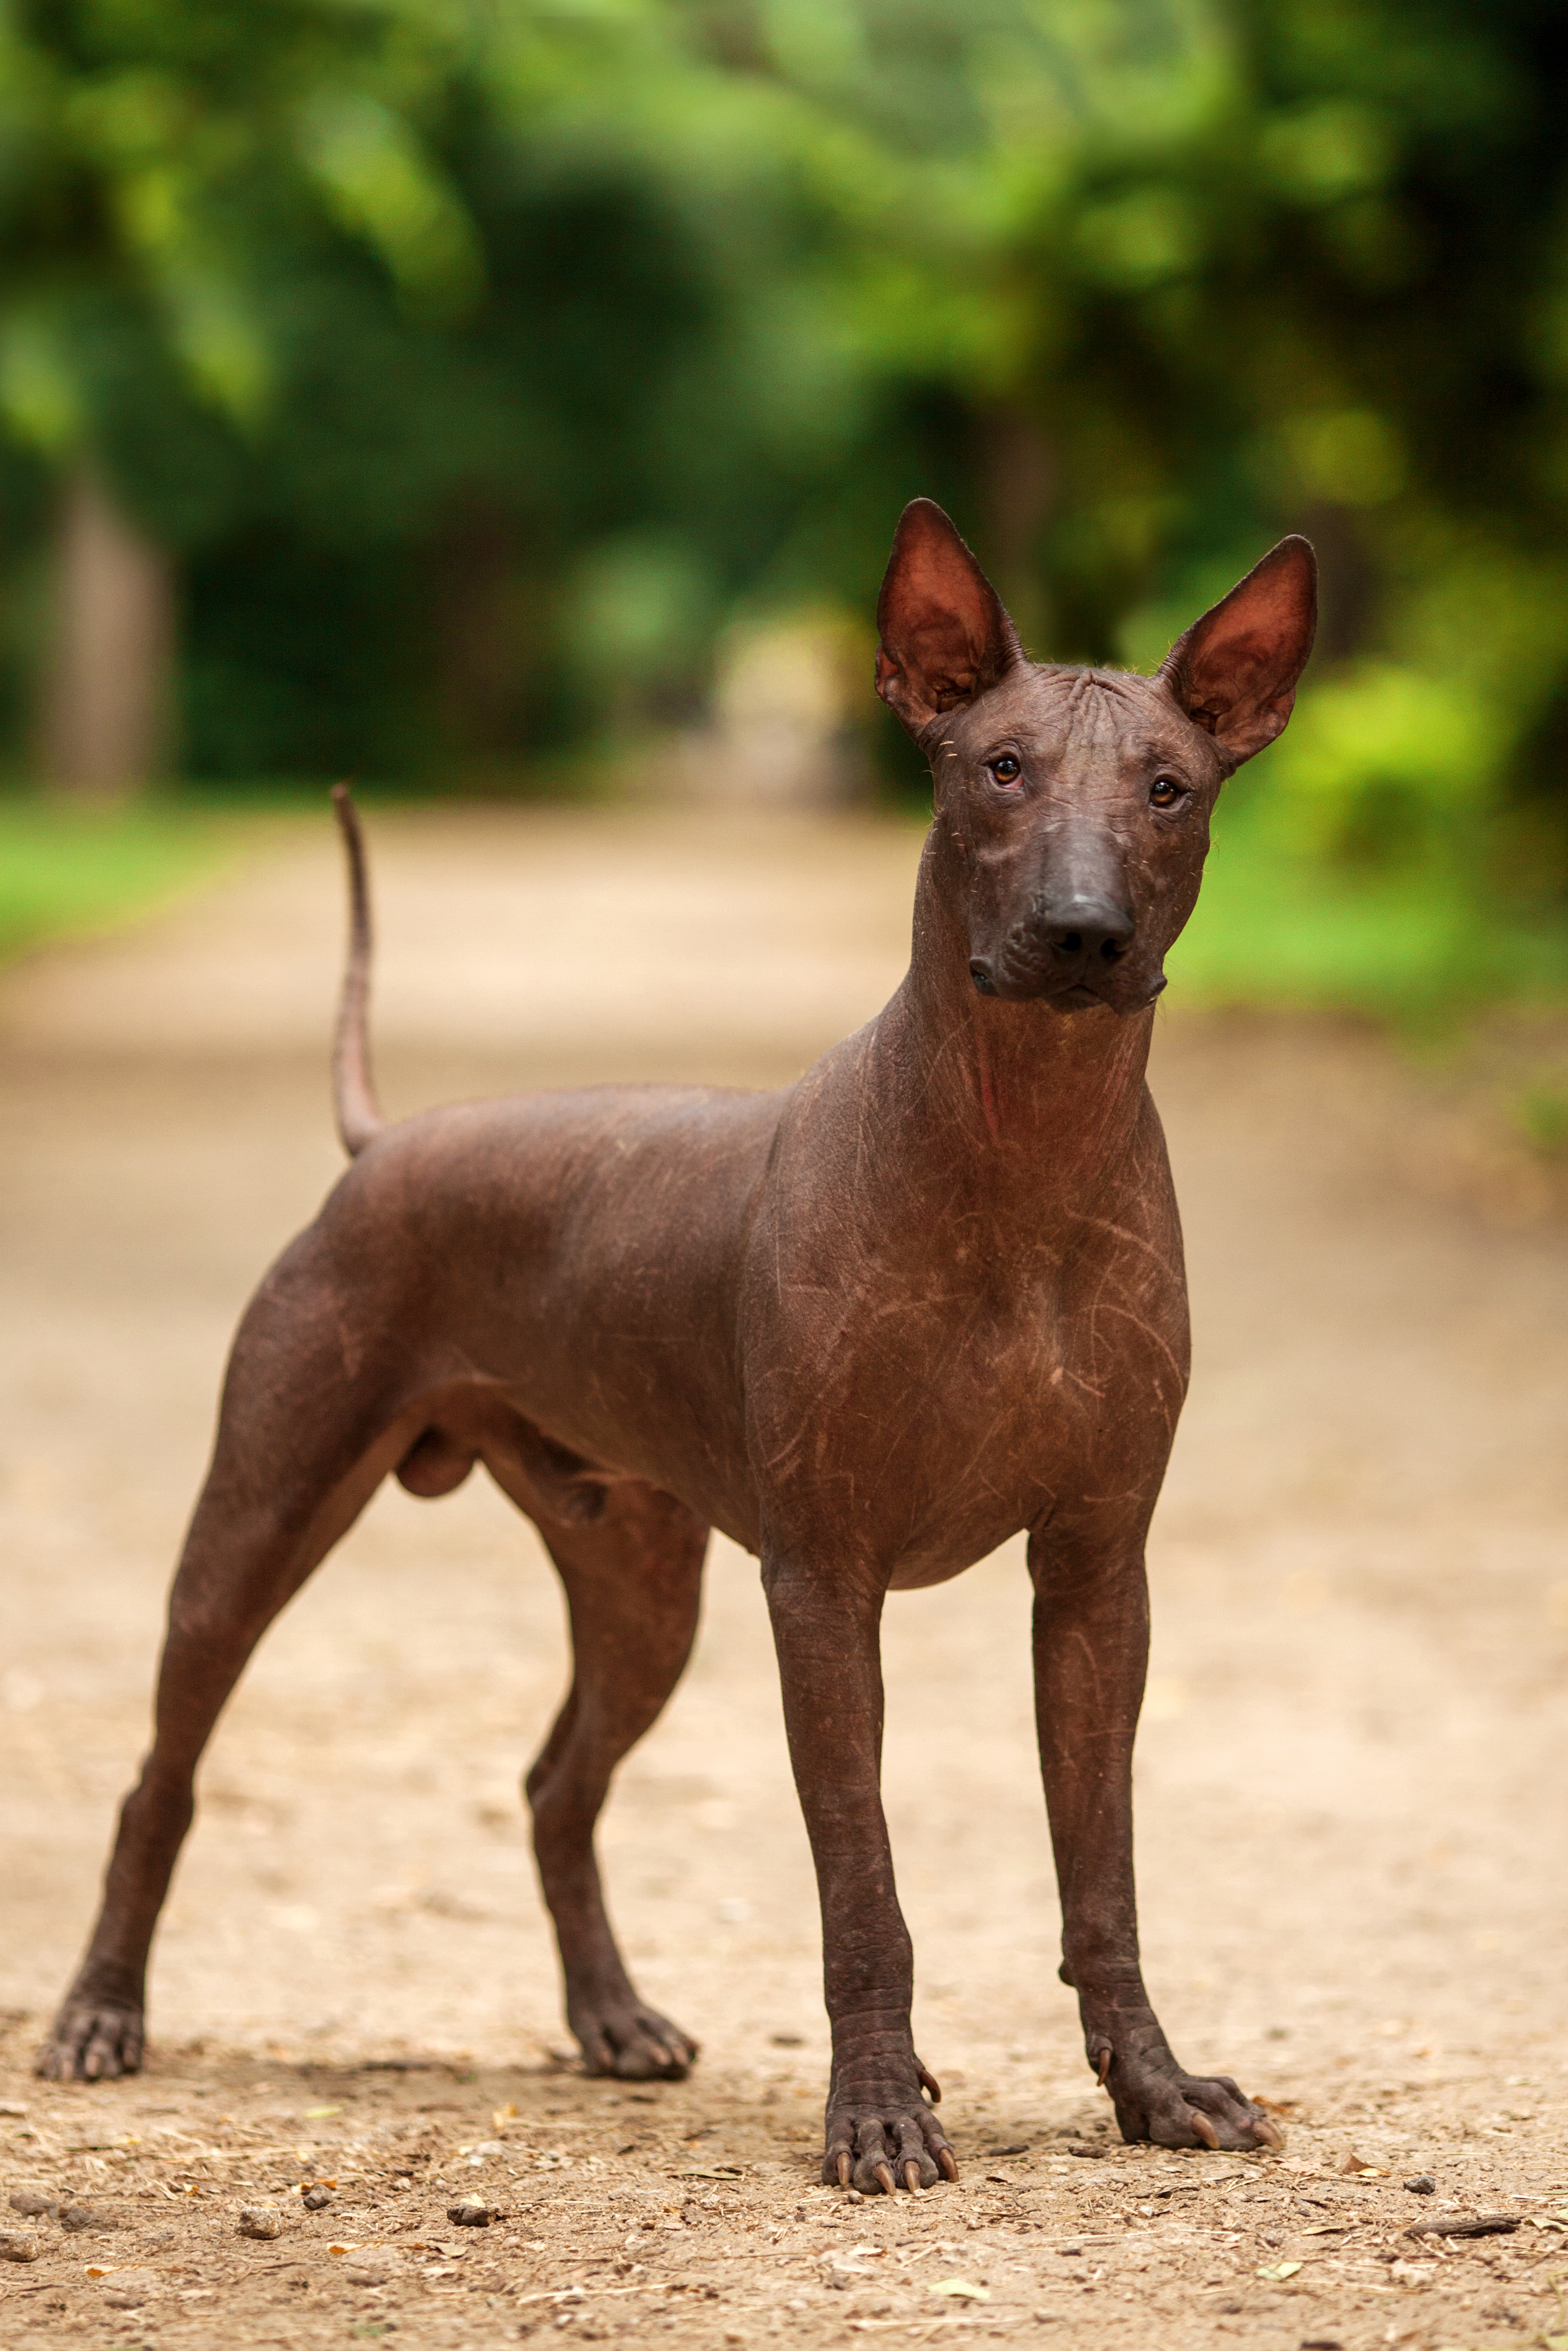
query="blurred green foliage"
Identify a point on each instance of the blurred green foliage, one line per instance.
(482, 359)
(1543, 1120)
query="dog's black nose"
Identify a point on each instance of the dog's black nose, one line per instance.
(1085, 928)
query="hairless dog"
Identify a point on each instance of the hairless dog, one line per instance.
(871, 1327)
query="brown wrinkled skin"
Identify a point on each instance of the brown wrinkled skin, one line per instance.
(870, 1327)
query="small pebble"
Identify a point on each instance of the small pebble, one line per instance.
(1424, 2186)
(9, 2107)
(366, 2277)
(18, 2245)
(260, 2220)
(1090, 2154)
(34, 2204)
(315, 2200)
(124, 2297)
(469, 2214)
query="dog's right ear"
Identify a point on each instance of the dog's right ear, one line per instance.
(944, 637)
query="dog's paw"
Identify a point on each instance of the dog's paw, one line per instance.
(633, 2044)
(92, 2041)
(1178, 2109)
(880, 2139)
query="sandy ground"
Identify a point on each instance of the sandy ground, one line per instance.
(1352, 1823)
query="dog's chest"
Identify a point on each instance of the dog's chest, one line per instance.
(932, 1422)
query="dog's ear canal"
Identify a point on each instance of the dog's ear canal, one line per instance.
(944, 635)
(1235, 671)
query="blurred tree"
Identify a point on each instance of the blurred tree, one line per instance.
(105, 691)
(472, 365)
(168, 173)
(1198, 270)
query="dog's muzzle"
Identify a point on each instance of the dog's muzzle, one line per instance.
(1066, 948)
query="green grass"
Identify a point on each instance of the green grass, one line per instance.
(1418, 945)
(72, 872)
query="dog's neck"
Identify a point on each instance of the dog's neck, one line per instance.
(1017, 1095)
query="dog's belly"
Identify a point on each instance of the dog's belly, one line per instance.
(572, 1258)
(921, 1573)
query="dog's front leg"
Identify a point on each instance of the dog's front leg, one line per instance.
(1090, 1655)
(881, 2133)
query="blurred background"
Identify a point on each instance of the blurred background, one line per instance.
(516, 400)
(508, 406)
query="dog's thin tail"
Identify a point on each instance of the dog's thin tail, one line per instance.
(359, 1119)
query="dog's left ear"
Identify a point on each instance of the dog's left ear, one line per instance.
(944, 637)
(1234, 673)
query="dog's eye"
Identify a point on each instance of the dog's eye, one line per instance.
(1163, 793)
(1007, 770)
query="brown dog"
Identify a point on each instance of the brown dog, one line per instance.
(871, 1327)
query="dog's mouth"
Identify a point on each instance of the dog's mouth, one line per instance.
(1016, 980)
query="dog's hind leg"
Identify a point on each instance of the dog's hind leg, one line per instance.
(300, 1448)
(633, 1579)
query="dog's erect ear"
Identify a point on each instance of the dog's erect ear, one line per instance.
(1234, 673)
(944, 637)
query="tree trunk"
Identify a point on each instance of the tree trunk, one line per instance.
(1017, 484)
(104, 719)
(483, 641)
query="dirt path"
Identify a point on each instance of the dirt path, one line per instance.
(1354, 1858)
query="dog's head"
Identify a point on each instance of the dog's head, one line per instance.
(1072, 805)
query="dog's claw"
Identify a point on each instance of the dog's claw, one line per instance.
(885, 2138)
(1156, 2100)
(948, 2163)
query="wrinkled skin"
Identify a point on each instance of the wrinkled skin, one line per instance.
(870, 1327)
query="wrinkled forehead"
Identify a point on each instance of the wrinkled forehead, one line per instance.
(1079, 719)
